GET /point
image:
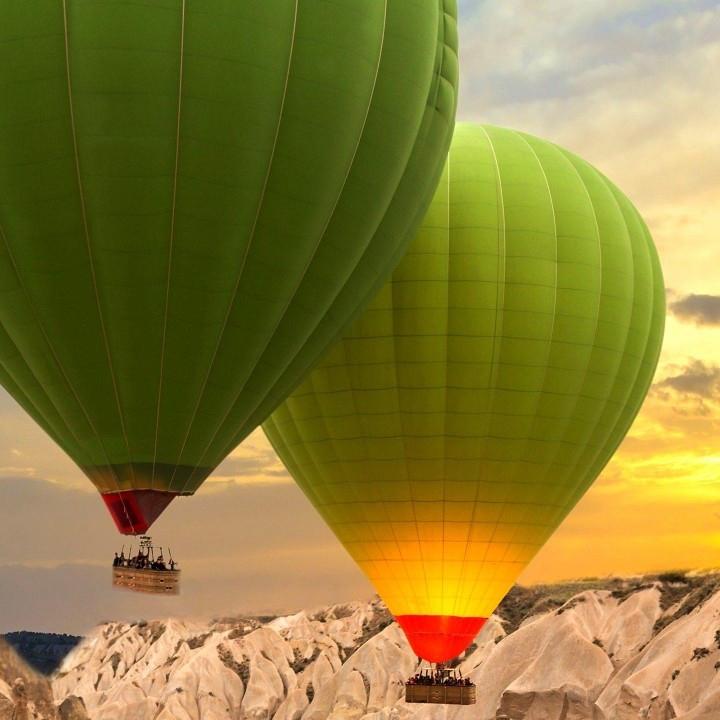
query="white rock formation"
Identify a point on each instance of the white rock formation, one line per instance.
(643, 648)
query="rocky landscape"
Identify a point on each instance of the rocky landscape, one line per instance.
(598, 650)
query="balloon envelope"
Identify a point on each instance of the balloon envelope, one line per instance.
(194, 198)
(472, 404)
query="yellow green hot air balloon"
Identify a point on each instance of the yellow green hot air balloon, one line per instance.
(194, 197)
(489, 382)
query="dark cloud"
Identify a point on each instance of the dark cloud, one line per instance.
(696, 379)
(698, 309)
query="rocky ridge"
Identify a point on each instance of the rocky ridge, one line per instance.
(598, 650)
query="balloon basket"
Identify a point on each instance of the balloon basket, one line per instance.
(440, 695)
(146, 572)
(441, 687)
(153, 582)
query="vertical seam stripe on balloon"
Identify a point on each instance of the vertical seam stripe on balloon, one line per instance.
(25, 401)
(581, 479)
(543, 383)
(646, 251)
(443, 480)
(312, 255)
(499, 310)
(428, 120)
(552, 334)
(53, 354)
(361, 419)
(558, 504)
(651, 257)
(246, 253)
(500, 216)
(563, 508)
(88, 245)
(45, 337)
(597, 318)
(308, 452)
(397, 387)
(171, 239)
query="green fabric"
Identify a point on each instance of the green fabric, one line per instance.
(195, 195)
(489, 382)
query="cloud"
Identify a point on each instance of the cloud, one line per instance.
(696, 378)
(683, 409)
(617, 82)
(698, 309)
(13, 470)
(252, 462)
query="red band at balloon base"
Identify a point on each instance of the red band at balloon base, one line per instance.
(439, 638)
(134, 511)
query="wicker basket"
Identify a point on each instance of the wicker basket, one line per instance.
(440, 694)
(154, 582)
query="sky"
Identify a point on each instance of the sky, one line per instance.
(630, 86)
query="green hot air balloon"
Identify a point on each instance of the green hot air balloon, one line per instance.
(487, 385)
(195, 195)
